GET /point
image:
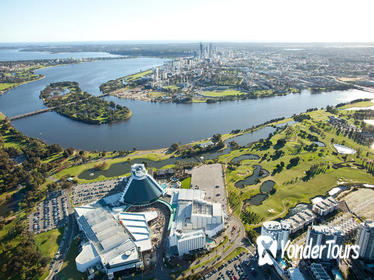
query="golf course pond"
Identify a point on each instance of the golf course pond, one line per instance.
(319, 144)
(258, 173)
(256, 199)
(245, 157)
(266, 189)
(344, 149)
(122, 168)
(267, 186)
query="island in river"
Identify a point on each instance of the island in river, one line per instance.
(67, 99)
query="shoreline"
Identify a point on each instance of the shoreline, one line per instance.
(23, 83)
(26, 82)
(143, 95)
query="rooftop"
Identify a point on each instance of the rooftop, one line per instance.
(107, 240)
(141, 189)
(136, 225)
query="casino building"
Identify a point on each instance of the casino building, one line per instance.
(117, 230)
(141, 188)
(194, 221)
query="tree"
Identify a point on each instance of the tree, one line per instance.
(216, 138)
(173, 147)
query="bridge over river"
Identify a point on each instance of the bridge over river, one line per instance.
(49, 109)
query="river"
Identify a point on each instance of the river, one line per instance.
(17, 54)
(153, 125)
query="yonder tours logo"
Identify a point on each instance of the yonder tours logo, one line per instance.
(267, 249)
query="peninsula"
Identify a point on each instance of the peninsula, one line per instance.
(67, 99)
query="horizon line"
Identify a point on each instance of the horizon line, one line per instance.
(162, 41)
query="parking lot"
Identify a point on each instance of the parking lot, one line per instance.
(242, 267)
(232, 269)
(50, 213)
(209, 178)
(86, 193)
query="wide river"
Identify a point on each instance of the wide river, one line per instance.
(153, 125)
(17, 54)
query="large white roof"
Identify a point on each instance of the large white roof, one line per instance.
(190, 194)
(87, 254)
(106, 237)
(136, 225)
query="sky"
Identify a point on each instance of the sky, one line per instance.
(187, 20)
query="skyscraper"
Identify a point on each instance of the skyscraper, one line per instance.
(319, 235)
(366, 240)
(157, 74)
(201, 50)
(210, 50)
(278, 231)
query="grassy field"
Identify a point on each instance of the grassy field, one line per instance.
(156, 94)
(358, 104)
(172, 87)
(198, 100)
(264, 92)
(138, 75)
(222, 93)
(49, 241)
(69, 270)
(2, 116)
(186, 183)
(6, 86)
(290, 188)
(74, 171)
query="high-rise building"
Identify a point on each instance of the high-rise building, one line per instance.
(318, 272)
(319, 235)
(366, 240)
(278, 231)
(157, 74)
(201, 50)
(210, 50)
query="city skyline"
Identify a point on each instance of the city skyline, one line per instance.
(239, 21)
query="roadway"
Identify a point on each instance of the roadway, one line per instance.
(64, 247)
(236, 239)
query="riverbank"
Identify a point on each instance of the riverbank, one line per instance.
(9, 86)
(138, 87)
(117, 165)
(14, 85)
